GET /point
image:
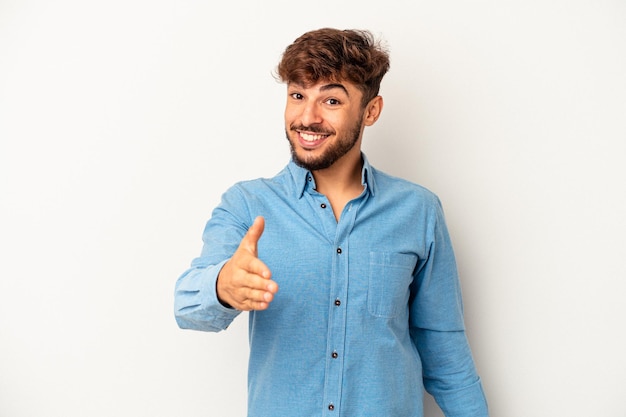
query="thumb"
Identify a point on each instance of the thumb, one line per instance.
(250, 240)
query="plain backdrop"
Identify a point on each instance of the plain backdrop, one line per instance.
(122, 122)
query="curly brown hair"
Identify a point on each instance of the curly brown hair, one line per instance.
(336, 55)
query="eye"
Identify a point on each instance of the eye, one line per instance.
(333, 101)
(296, 96)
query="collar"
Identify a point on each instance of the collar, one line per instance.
(301, 177)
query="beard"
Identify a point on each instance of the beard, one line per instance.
(333, 152)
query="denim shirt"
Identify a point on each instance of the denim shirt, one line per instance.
(369, 309)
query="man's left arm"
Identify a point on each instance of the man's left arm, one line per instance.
(438, 329)
(449, 373)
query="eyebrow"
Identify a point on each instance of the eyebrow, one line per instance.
(326, 87)
(333, 86)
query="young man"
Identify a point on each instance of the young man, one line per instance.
(348, 273)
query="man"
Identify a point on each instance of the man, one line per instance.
(369, 308)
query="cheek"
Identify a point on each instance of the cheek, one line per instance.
(290, 116)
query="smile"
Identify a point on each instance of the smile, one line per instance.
(308, 137)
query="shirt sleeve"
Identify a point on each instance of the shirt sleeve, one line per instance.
(449, 373)
(196, 305)
(438, 329)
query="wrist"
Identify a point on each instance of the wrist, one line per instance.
(217, 294)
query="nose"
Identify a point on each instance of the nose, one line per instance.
(311, 114)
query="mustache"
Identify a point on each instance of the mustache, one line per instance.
(312, 129)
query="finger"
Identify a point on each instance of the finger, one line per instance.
(259, 296)
(255, 306)
(260, 300)
(252, 284)
(251, 238)
(254, 266)
(252, 299)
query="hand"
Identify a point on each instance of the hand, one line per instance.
(244, 281)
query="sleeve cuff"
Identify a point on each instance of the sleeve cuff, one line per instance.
(468, 401)
(196, 304)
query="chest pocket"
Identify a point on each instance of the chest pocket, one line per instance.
(390, 275)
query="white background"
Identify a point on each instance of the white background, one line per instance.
(122, 122)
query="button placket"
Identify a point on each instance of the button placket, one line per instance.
(338, 314)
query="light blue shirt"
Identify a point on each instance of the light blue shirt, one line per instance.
(369, 309)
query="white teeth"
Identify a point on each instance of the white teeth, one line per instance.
(311, 138)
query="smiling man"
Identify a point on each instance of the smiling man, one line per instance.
(348, 273)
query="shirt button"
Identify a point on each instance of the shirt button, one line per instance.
(334, 355)
(323, 205)
(331, 407)
(339, 250)
(337, 302)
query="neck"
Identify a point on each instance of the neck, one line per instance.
(343, 177)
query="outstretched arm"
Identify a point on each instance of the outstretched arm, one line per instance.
(229, 261)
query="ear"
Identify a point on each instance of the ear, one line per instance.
(372, 111)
